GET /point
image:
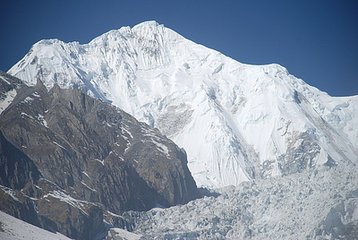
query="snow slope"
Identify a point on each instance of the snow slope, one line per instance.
(236, 121)
(14, 229)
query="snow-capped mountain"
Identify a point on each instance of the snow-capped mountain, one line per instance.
(236, 121)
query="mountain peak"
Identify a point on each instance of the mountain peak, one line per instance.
(146, 24)
(143, 30)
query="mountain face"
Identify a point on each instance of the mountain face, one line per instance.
(69, 161)
(236, 121)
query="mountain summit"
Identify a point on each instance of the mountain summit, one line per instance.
(236, 121)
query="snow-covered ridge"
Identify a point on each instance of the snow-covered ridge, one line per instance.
(236, 121)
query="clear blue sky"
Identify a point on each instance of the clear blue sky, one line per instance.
(316, 40)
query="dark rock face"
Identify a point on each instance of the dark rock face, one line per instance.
(78, 219)
(18, 205)
(9, 83)
(55, 211)
(74, 157)
(13, 164)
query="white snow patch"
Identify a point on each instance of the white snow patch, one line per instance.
(85, 173)
(92, 189)
(35, 94)
(113, 214)
(100, 161)
(27, 99)
(128, 133)
(56, 143)
(41, 118)
(23, 114)
(162, 148)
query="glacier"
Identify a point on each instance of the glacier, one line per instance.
(236, 121)
(318, 204)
